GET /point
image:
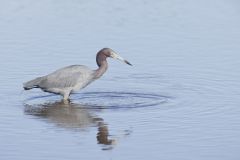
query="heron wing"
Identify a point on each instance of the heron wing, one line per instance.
(66, 77)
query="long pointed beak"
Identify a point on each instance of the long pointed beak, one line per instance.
(116, 56)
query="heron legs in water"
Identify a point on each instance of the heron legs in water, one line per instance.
(66, 96)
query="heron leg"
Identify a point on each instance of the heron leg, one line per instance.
(66, 96)
(66, 101)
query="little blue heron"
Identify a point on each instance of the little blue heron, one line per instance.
(73, 78)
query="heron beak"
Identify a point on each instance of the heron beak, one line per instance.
(116, 56)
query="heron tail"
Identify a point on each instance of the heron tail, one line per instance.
(32, 84)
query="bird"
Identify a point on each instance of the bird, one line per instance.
(73, 78)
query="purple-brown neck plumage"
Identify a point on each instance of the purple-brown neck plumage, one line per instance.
(102, 64)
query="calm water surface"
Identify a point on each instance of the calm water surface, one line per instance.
(180, 100)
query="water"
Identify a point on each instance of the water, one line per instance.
(180, 100)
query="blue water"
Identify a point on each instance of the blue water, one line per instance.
(180, 100)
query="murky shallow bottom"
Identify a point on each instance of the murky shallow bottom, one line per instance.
(180, 100)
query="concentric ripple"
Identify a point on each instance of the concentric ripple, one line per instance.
(106, 100)
(110, 100)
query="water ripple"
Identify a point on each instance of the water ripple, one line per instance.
(110, 100)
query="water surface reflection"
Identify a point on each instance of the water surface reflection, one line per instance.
(75, 117)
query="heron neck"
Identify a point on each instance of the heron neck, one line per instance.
(102, 65)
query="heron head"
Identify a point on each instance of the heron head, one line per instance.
(110, 53)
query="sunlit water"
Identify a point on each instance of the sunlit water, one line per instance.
(180, 100)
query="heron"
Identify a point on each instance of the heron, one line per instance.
(73, 78)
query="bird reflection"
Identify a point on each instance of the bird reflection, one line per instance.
(102, 135)
(71, 116)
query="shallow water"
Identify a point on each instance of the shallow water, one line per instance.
(180, 100)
